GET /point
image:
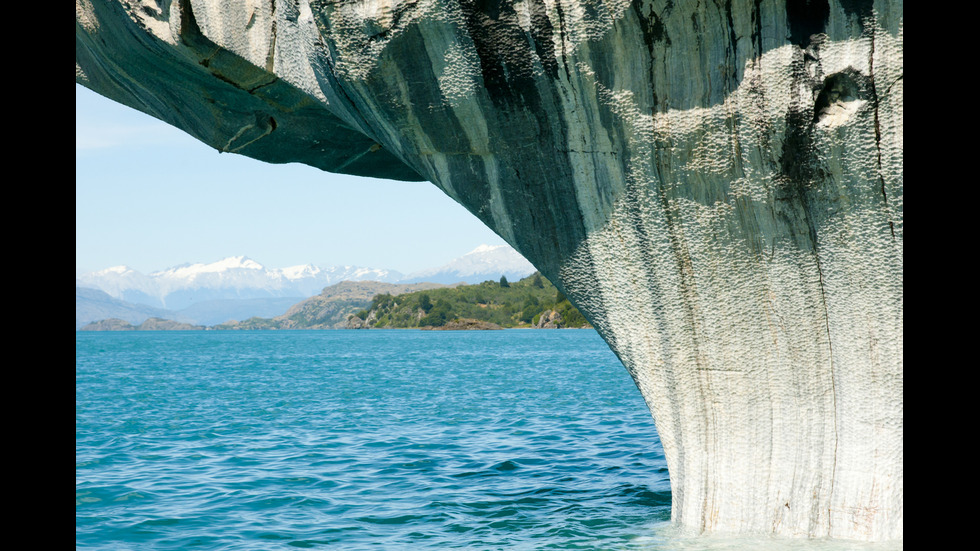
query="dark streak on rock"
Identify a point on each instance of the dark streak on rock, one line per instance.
(263, 85)
(270, 60)
(863, 9)
(505, 56)
(732, 50)
(542, 35)
(757, 28)
(562, 25)
(873, 92)
(806, 18)
(798, 162)
(527, 117)
(652, 28)
(436, 119)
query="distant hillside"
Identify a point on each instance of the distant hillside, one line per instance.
(331, 308)
(213, 312)
(241, 278)
(366, 290)
(92, 305)
(530, 302)
(233, 278)
(239, 288)
(152, 324)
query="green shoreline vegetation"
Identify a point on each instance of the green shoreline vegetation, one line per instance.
(532, 302)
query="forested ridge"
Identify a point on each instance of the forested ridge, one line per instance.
(531, 302)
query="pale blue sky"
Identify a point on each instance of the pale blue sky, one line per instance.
(149, 196)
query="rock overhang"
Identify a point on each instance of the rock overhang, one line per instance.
(719, 188)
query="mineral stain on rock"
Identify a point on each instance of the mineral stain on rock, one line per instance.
(806, 18)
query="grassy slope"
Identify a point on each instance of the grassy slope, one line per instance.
(519, 304)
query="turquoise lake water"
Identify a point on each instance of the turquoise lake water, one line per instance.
(361, 439)
(398, 439)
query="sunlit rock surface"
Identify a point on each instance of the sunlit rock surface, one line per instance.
(718, 186)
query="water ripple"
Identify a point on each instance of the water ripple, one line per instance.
(363, 440)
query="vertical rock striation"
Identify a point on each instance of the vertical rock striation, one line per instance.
(717, 185)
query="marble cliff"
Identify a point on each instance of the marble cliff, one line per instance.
(717, 185)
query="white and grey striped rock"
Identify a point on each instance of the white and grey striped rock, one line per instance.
(717, 185)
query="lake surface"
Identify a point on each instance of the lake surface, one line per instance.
(398, 439)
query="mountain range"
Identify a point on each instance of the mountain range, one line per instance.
(237, 288)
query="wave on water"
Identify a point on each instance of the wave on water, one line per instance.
(368, 440)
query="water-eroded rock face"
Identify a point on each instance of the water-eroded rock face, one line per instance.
(718, 186)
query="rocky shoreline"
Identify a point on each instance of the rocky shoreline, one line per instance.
(465, 324)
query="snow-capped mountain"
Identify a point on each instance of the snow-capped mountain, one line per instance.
(117, 281)
(236, 277)
(239, 277)
(486, 262)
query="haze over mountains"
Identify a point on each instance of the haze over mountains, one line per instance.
(239, 287)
